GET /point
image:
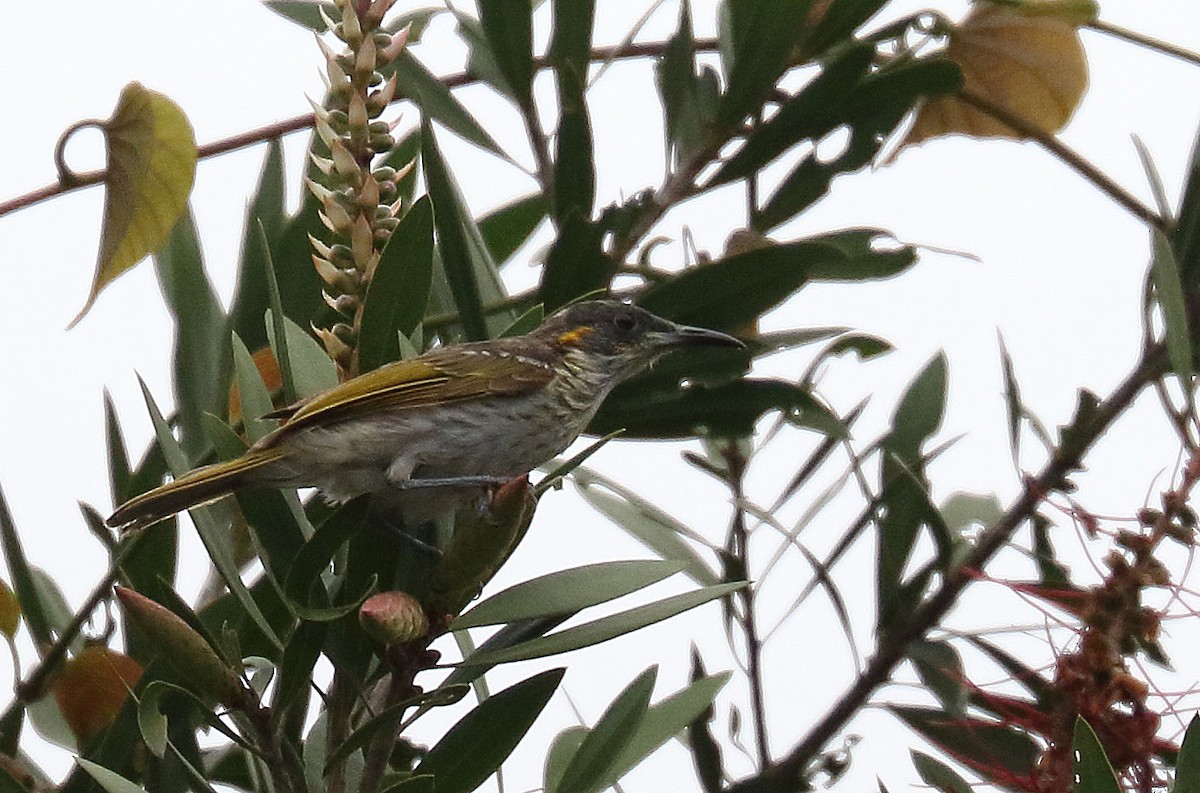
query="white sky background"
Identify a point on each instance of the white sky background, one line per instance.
(1061, 277)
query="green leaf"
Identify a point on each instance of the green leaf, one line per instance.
(567, 591)
(574, 162)
(729, 410)
(476, 746)
(24, 585)
(905, 495)
(700, 741)
(872, 112)
(151, 153)
(1012, 400)
(266, 210)
(1187, 767)
(962, 510)
(838, 22)
(434, 99)
(603, 629)
(562, 749)
(399, 289)
(941, 669)
(111, 781)
(593, 762)
(386, 719)
(1092, 769)
(119, 471)
(275, 325)
(576, 263)
(735, 291)
(938, 775)
(1185, 240)
(811, 113)
(305, 574)
(312, 368)
(200, 324)
(1168, 291)
(212, 535)
(764, 35)
(507, 228)
(253, 394)
(449, 217)
(645, 522)
(920, 411)
(995, 751)
(687, 114)
(662, 722)
(151, 721)
(508, 25)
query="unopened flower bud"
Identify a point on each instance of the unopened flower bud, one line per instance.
(203, 670)
(381, 144)
(393, 617)
(342, 256)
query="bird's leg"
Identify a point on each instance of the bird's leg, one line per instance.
(449, 481)
(399, 476)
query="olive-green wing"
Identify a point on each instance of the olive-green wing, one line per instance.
(436, 378)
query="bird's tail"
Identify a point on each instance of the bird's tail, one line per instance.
(192, 489)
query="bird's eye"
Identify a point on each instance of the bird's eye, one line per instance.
(625, 322)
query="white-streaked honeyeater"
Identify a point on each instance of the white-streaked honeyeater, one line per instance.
(427, 434)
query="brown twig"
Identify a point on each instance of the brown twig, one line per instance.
(1069, 156)
(305, 121)
(791, 770)
(739, 545)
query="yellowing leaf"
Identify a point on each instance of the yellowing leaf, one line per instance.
(91, 688)
(10, 611)
(1024, 57)
(151, 152)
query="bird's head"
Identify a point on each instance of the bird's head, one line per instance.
(618, 340)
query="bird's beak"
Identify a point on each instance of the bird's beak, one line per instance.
(688, 336)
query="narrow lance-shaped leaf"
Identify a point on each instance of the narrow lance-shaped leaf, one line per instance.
(476, 746)
(662, 722)
(1187, 768)
(417, 83)
(1168, 290)
(764, 34)
(574, 163)
(200, 323)
(593, 761)
(399, 289)
(508, 25)
(603, 629)
(151, 152)
(23, 578)
(1092, 769)
(567, 591)
(266, 209)
(452, 238)
(215, 539)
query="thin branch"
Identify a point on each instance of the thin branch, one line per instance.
(739, 544)
(791, 770)
(1146, 41)
(1102, 181)
(305, 121)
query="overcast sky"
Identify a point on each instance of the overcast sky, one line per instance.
(1060, 275)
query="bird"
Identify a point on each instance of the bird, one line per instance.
(427, 435)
